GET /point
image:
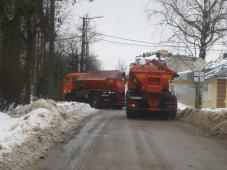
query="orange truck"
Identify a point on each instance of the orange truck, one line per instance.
(101, 89)
(148, 87)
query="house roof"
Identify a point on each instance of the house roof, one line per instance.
(185, 75)
(215, 69)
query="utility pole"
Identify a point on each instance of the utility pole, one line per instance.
(84, 30)
(199, 77)
(198, 103)
(85, 41)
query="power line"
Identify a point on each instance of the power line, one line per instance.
(144, 42)
(138, 41)
(123, 43)
(127, 39)
(141, 45)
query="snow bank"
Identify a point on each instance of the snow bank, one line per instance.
(181, 106)
(214, 121)
(83, 109)
(214, 109)
(28, 133)
(5, 122)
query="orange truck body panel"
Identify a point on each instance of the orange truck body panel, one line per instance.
(146, 85)
(96, 82)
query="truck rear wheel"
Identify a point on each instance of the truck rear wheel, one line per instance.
(172, 115)
(118, 107)
(129, 114)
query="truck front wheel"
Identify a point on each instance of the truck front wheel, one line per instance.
(95, 102)
(68, 97)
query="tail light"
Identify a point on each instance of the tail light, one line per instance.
(172, 106)
(132, 105)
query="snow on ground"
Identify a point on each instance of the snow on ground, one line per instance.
(6, 122)
(181, 106)
(212, 120)
(29, 132)
(214, 109)
(69, 107)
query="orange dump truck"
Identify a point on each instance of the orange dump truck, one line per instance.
(101, 89)
(148, 89)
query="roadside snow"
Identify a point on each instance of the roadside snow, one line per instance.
(181, 106)
(29, 132)
(68, 107)
(213, 121)
(214, 109)
(6, 122)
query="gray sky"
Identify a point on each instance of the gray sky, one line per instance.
(123, 18)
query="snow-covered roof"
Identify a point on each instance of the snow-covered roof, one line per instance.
(183, 72)
(216, 63)
(185, 75)
(216, 69)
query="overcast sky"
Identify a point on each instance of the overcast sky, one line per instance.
(122, 18)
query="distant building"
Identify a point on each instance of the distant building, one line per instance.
(184, 88)
(214, 87)
(180, 63)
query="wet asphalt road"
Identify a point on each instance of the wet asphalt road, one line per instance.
(109, 141)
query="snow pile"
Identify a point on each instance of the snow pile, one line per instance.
(214, 121)
(181, 106)
(214, 109)
(6, 122)
(32, 130)
(83, 110)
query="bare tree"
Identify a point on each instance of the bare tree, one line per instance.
(72, 51)
(12, 47)
(92, 63)
(25, 27)
(198, 24)
(121, 66)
